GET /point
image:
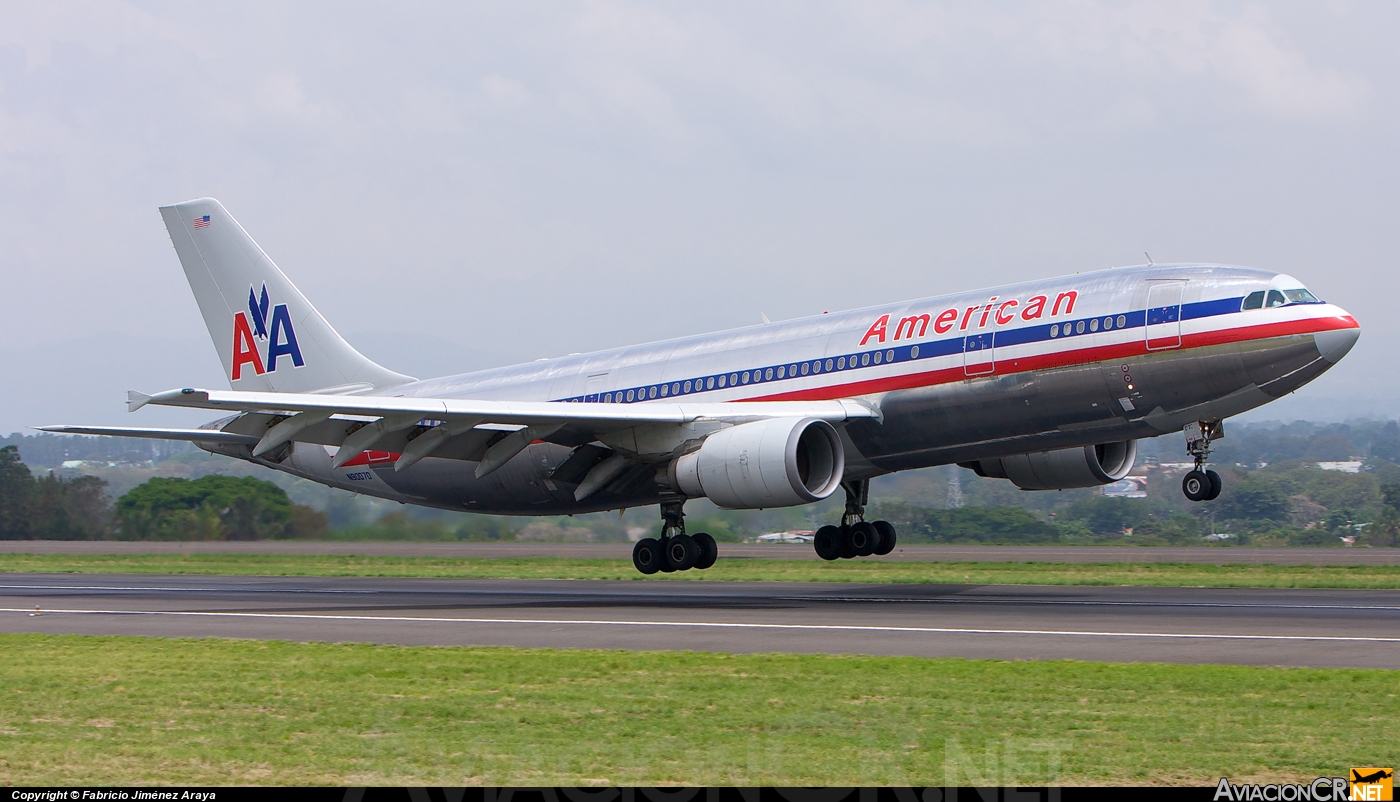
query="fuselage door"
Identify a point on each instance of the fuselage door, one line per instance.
(1163, 328)
(979, 354)
(594, 390)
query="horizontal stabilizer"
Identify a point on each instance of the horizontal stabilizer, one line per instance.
(191, 435)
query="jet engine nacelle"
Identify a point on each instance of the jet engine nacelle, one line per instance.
(1063, 468)
(771, 463)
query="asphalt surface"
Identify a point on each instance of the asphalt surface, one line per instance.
(1350, 628)
(623, 551)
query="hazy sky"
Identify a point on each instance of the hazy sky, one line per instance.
(459, 186)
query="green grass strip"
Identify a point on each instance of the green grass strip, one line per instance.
(746, 570)
(126, 711)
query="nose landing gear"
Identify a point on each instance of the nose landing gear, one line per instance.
(1201, 484)
(855, 537)
(674, 550)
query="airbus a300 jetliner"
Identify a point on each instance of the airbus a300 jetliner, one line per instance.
(1047, 384)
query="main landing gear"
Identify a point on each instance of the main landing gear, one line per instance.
(1201, 484)
(855, 537)
(674, 550)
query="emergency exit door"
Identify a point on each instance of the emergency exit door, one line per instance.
(1163, 328)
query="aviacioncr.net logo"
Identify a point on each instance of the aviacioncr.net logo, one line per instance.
(260, 341)
(1364, 785)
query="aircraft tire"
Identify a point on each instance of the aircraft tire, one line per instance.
(887, 537)
(664, 565)
(847, 552)
(709, 550)
(1195, 485)
(646, 555)
(681, 552)
(827, 542)
(1216, 485)
(865, 538)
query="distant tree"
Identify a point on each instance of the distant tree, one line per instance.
(1178, 529)
(212, 507)
(1339, 522)
(1390, 496)
(398, 525)
(1330, 447)
(1314, 537)
(16, 496)
(307, 523)
(1304, 511)
(1385, 444)
(1336, 490)
(50, 508)
(71, 509)
(1385, 530)
(1254, 497)
(1107, 516)
(989, 524)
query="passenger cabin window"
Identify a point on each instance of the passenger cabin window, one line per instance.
(1254, 300)
(1275, 299)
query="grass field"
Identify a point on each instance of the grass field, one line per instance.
(90, 710)
(1148, 574)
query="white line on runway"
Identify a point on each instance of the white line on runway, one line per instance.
(230, 589)
(1093, 603)
(722, 596)
(712, 624)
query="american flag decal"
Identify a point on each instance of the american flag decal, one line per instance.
(201, 222)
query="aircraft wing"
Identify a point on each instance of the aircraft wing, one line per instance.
(487, 432)
(521, 412)
(192, 435)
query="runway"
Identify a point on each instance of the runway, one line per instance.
(1344, 628)
(1216, 555)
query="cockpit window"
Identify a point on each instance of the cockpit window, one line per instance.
(1275, 299)
(1254, 300)
(1300, 296)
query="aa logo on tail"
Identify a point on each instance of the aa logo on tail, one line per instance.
(253, 327)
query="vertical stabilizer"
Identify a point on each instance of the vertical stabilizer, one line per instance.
(269, 337)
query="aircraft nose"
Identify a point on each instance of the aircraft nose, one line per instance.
(1334, 344)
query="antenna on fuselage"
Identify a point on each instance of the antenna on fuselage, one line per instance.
(1149, 257)
(765, 317)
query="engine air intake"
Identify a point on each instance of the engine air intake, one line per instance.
(772, 463)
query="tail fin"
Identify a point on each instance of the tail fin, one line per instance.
(268, 335)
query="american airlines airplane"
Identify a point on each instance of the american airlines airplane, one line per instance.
(1047, 384)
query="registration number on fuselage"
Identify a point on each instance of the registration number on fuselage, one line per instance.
(359, 476)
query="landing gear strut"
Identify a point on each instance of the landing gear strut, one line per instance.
(1201, 484)
(674, 550)
(855, 537)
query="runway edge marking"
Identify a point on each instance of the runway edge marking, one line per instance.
(714, 624)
